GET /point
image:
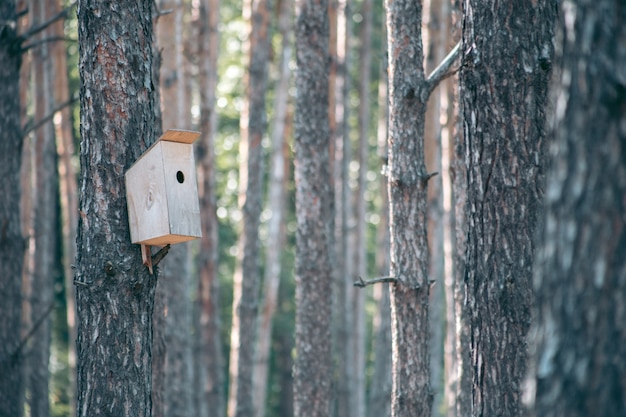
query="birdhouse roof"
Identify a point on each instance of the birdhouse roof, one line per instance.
(179, 135)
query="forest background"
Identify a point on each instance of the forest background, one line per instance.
(225, 311)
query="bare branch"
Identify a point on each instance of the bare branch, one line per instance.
(32, 125)
(362, 284)
(42, 41)
(42, 26)
(440, 73)
(157, 257)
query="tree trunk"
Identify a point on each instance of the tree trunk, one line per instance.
(115, 292)
(407, 181)
(379, 404)
(312, 369)
(174, 284)
(503, 89)
(68, 193)
(247, 279)
(578, 339)
(358, 313)
(276, 199)
(211, 358)
(434, 29)
(344, 269)
(45, 215)
(11, 240)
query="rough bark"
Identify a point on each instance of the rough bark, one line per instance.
(11, 240)
(275, 241)
(211, 362)
(504, 77)
(115, 292)
(407, 187)
(247, 276)
(312, 371)
(578, 339)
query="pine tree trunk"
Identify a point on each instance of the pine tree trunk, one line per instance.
(312, 370)
(211, 358)
(276, 201)
(115, 292)
(247, 276)
(45, 215)
(503, 89)
(174, 284)
(11, 240)
(407, 182)
(379, 404)
(67, 190)
(578, 341)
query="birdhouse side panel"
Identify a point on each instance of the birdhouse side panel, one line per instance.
(182, 189)
(147, 197)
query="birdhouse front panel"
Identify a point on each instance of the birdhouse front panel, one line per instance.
(162, 192)
(181, 184)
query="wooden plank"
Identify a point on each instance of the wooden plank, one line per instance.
(180, 136)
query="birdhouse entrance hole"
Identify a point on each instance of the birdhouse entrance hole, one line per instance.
(180, 177)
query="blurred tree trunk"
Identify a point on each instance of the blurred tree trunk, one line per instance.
(503, 88)
(312, 369)
(246, 280)
(174, 284)
(68, 187)
(210, 343)
(343, 213)
(578, 339)
(379, 404)
(11, 240)
(115, 292)
(358, 312)
(276, 200)
(45, 217)
(434, 30)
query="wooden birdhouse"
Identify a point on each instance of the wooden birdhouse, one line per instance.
(162, 193)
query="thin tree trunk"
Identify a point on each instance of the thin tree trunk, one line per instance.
(276, 200)
(45, 217)
(175, 282)
(115, 292)
(343, 393)
(358, 397)
(503, 88)
(11, 240)
(247, 279)
(379, 404)
(578, 339)
(211, 362)
(312, 369)
(67, 191)
(407, 180)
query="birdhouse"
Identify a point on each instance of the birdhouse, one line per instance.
(162, 192)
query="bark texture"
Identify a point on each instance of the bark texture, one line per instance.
(11, 240)
(504, 77)
(115, 292)
(312, 372)
(579, 342)
(407, 182)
